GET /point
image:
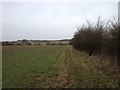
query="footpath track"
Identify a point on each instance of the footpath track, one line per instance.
(76, 69)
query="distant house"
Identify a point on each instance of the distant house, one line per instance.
(31, 43)
(43, 43)
(19, 42)
(24, 41)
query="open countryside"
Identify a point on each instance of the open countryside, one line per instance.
(60, 44)
(54, 66)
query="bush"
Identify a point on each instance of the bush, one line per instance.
(98, 39)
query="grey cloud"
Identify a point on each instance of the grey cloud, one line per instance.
(50, 20)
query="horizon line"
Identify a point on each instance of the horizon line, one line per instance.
(36, 39)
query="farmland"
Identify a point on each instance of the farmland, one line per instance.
(53, 66)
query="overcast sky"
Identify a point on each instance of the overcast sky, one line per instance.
(50, 20)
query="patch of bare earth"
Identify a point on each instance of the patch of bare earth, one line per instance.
(44, 81)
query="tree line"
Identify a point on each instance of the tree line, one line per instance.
(100, 38)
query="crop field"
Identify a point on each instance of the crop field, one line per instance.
(52, 66)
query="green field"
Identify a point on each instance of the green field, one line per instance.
(54, 66)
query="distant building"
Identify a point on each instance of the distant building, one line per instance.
(19, 42)
(25, 42)
(31, 42)
(42, 43)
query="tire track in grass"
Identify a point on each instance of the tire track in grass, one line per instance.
(76, 69)
(65, 78)
(86, 74)
(63, 72)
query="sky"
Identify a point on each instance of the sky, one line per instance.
(119, 11)
(50, 20)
